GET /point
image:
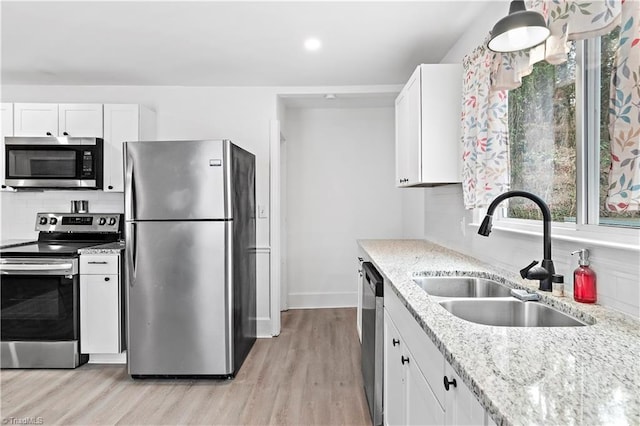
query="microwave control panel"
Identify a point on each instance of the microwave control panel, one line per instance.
(87, 164)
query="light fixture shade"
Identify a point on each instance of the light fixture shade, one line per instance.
(520, 29)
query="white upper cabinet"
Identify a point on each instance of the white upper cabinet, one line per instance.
(123, 123)
(80, 120)
(6, 111)
(428, 127)
(35, 119)
(43, 119)
(408, 132)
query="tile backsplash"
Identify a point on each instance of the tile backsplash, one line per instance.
(618, 270)
(19, 209)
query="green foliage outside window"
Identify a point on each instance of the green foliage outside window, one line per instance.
(542, 140)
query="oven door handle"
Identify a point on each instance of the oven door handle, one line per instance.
(38, 269)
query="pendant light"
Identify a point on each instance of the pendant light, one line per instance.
(520, 29)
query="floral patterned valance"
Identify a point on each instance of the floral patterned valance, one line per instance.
(567, 20)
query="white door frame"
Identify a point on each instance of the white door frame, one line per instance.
(274, 225)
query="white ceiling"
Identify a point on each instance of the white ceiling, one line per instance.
(232, 43)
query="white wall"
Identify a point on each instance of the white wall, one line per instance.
(339, 188)
(446, 221)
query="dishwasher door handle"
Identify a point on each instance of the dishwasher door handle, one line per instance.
(373, 277)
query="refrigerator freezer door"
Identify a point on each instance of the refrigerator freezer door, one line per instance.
(176, 180)
(178, 298)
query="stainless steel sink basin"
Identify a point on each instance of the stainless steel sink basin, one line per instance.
(509, 313)
(462, 287)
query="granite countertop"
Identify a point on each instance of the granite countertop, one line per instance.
(538, 375)
(108, 248)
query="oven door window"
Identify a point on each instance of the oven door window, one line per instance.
(39, 307)
(42, 163)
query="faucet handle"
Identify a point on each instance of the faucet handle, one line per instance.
(525, 271)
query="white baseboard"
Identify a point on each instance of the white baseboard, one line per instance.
(263, 328)
(120, 358)
(323, 300)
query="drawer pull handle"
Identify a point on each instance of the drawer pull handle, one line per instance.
(448, 383)
(404, 359)
(396, 342)
(97, 263)
(107, 278)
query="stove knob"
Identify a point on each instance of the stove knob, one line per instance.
(102, 221)
(112, 221)
(43, 221)
(53, 221)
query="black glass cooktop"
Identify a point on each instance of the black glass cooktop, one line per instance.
(48, 249)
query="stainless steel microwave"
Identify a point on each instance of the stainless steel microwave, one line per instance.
(53, 162)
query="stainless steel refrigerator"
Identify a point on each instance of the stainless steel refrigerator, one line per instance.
(190, 266)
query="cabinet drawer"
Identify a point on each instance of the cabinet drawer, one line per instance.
(100, 264)
(427, 356)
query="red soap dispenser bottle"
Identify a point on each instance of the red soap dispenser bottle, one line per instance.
(584, 279)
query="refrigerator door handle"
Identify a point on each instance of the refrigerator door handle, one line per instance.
(130, 195)
(131, 244)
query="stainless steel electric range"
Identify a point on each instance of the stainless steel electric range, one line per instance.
(40, 312)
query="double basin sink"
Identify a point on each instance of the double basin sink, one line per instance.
(488, 302)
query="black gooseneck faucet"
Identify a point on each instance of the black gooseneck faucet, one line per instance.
(546, 272)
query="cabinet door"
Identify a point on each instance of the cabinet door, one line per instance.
(423, 407)
(441, 91)
(121, 123)
(80, 120)
(462, 407)
(408, 131)
(100, 314)
(6, 110)
(394, 380)
(35, 119)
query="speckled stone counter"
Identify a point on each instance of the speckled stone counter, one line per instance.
(539, 375)
(108, 248)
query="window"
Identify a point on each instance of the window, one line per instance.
(559, 138)
(542, 140)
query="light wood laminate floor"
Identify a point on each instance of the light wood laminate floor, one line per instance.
(310, 374)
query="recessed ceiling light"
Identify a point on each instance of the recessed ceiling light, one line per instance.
(330, 96)
(312, 44)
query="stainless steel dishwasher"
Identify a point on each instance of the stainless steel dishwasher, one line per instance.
(372, 338)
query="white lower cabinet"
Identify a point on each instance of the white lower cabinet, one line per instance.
(462, 407)
(395, 391)
(100, 304)
(414, 376)
(359, 277)
(408, 398)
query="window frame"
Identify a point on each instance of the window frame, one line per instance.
(587, 229)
